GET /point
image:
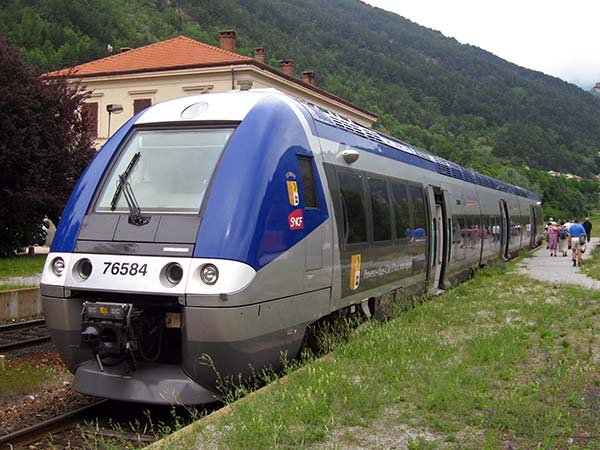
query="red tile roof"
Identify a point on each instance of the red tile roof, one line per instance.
(171, 54)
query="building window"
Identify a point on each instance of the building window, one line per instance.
(140, 104)
(89, 112)
(308, 182)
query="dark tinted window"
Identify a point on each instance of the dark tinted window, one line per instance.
(380, 208)
(419, 219)
(402, 211)
(89, 112)
(140, 104)
(308, 182)
(353, 204)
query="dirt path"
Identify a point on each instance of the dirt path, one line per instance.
(559, 269)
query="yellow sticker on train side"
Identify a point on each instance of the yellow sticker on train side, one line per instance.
(293, 194)
(355, 272)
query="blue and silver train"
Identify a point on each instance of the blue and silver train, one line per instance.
(219, 227)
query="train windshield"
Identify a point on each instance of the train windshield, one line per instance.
(171, 173)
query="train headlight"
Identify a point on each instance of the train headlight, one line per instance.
(84, 268)
(173, 273)
(58, 266)
(209, 274)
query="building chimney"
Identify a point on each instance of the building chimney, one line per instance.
(227, 40)
(309, 77)
(259, 54)
(245, 85)
(287, 67)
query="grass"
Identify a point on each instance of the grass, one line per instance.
(10, 287)
(591, 266)
(499, 362)
(21, 266)
(25, 378)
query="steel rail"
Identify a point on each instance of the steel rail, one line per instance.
(21, 325)
(23, 334)
(37, 431)
(24, 343)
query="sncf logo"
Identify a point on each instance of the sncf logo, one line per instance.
(296, 219)
(355, 272)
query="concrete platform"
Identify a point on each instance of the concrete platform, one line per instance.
(19, 303)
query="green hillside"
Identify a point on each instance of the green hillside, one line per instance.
(455, 100)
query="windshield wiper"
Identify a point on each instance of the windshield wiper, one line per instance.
(135, 214)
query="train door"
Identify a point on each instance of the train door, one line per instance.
(532, 227)
(505, 229)
(438, 243)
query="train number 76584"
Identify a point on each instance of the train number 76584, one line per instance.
(117, 268)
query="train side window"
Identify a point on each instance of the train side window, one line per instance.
(307, 176)
(353, 202)
(419, 218)
(380, 210)
(401, 210)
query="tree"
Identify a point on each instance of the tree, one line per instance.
(44, 147)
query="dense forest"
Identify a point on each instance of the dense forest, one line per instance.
(454, 100)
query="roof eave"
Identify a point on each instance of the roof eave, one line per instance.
(74, 74)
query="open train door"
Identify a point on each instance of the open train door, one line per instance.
(505, 232)
(532, 227)
(438, 237)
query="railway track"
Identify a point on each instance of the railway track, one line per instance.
(23, 334)
(87, 427)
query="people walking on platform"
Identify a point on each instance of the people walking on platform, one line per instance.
(578, 238)
(563, 238)
(553, 238)
(588, 228)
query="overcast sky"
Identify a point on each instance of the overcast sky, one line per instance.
(557, 37)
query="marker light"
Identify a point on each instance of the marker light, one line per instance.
(209, 274)
(174, 273)
(84, 268)
(58, 266)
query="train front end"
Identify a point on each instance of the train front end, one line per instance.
(152, 288)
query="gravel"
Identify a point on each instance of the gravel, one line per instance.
(558, 269)
(29, 408)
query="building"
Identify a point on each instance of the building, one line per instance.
(127, 82)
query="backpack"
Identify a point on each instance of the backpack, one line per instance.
(563, 234)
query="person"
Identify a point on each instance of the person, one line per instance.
(588, 228)
(563, 237)
(553, 238)
(576, 231)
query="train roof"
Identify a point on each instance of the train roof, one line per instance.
(235, 105)
(444, 167)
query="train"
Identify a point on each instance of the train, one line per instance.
(211, 232)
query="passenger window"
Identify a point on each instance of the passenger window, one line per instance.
(380, 209)
(353, 203)
(420, 221)
(308, 182)
(402, 211)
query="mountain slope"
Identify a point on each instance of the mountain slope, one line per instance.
(455, 100)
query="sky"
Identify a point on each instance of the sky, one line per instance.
(557, 37)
